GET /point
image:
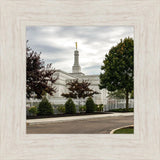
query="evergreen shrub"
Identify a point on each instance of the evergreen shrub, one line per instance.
(90, 105)
(33, 111)
(70, 107)
(45, 108)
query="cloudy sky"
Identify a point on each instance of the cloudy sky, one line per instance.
(57, 44)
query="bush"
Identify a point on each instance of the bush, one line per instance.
(45, 108)
(61, 109)
(90, 105)
(122, 110)
(82, 108)
(99, 107)
(33, 111)
(70, 107)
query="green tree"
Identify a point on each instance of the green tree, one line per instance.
(118, 68)
(132, 95)
(118, 94)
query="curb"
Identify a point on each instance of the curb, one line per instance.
(73, 118)
(112, 131)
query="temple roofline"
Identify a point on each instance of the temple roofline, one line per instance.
(58, 70)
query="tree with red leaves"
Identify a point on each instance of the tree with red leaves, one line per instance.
(40, 79)
(79, 90)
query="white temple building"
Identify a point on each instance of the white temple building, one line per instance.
(64, 77)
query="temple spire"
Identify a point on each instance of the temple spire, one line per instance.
(76, 45)
(76, 67)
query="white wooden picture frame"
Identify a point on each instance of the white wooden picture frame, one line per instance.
(15, 144)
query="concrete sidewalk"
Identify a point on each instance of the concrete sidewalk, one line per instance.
(73, 118)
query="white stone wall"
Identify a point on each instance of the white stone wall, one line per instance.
(61, 87)
(60, 84)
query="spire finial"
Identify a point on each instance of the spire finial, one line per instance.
(76, 45)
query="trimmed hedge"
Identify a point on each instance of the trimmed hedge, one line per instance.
(70, 107)
(90, 105)
(45, 108)
(122, 110)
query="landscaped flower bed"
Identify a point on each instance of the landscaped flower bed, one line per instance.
(46, 110)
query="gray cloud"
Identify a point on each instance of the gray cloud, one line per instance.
(48, 48)
(57, 44)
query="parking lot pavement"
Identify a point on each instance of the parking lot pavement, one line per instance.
(94, 125)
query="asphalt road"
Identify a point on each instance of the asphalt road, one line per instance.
(86, 126)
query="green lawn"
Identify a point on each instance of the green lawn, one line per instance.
(128, 130)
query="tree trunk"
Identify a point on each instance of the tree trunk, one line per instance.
(127, 100)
